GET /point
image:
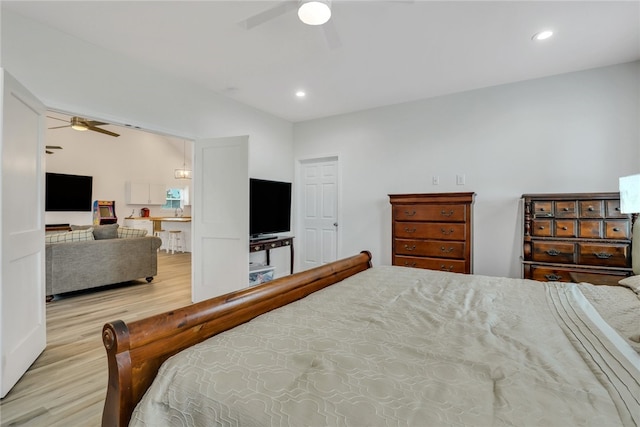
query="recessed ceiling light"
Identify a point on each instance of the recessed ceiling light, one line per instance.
(542, 35)
(301, 94)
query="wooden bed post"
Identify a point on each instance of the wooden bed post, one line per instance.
(115, 337)
(136, 350)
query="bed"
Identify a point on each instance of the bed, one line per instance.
(350, 344)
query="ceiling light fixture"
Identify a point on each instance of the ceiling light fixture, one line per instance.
(301, 94)
(314, 12)
(542, 35)
(78, 124)
(183, 173)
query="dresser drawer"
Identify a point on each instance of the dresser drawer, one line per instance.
(565, 228)
(613, 209)
(542, 227)
(430, 248)
(604, 254)
(437, 213)
(566, 209)
(454, 266)
(578, 275)
(591, 208)
(590, 229)
(542, 209)
(617, 229)
(557, 252)
(430, 230)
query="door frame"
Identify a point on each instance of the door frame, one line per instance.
(299, 197)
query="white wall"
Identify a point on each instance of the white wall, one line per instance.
(570, 133)
(133, 156)
(73, 76)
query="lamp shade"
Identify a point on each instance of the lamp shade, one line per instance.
(314, 12)
(630, 194)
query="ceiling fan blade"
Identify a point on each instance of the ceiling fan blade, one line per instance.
(93, 123)
(106, 132)
(55, 118)
(269, 14)
(60, 127)
(53, 147)
(48, 152)
(331, 35)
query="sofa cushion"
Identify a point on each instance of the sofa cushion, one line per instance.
(70, 236)
(108, 231)
(128, 232)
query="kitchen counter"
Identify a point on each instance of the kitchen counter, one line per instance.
(165, 223)
(162, 218)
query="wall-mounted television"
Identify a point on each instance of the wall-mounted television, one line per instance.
(269, 207)
(68, 193)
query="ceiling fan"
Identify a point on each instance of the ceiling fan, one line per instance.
(80, 124)
(48, 148)
(328, 27)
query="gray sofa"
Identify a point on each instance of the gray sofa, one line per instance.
(73, 266)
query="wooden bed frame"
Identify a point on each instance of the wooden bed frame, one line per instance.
(136, 350)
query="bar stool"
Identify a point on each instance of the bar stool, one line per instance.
(159, 232)
(175, 241)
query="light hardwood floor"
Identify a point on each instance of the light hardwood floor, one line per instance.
(66, 385)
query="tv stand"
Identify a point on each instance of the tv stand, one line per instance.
(263, 237)
(272, 242)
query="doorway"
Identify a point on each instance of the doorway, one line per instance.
(319, 211)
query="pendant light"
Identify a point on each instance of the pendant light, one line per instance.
(183, 173)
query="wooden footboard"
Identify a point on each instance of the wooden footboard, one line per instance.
(136, 350)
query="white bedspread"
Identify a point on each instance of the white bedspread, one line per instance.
(396, 346)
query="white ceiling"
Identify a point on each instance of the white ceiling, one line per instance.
(387, 51)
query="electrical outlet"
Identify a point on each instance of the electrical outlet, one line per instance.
(435, 180)
(460, 179)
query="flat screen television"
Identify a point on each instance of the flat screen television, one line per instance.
(68, 193)
(269, 207)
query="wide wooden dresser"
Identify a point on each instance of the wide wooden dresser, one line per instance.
(576, 237)
(433, 231)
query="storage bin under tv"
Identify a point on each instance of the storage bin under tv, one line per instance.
(260, 274)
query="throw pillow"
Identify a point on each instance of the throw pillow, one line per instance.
(128, 232)
(70, 236)
(80, 227)
(632, 282)
(109, 231)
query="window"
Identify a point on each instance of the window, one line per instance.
(175, 198)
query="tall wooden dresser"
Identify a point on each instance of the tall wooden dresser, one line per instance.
(576, 237)
(433, 231)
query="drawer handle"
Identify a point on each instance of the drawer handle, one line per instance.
(445, 250)
(617, 209)
(256, 248)
(616, 229)
(409, 264)
(553, 252)
(603, 255)
(564, 228)
(445, 213)
(541, 227)
(445, 268)
(552, 277)
(445, 232)
(566, 209)
(590, 209)
(410, 248)
(286, 243)
(541, 209)
(273, 245)
(407, 213)
(409, 230)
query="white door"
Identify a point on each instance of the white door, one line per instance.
(318, 212)
(22, 290)
(220, 217)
